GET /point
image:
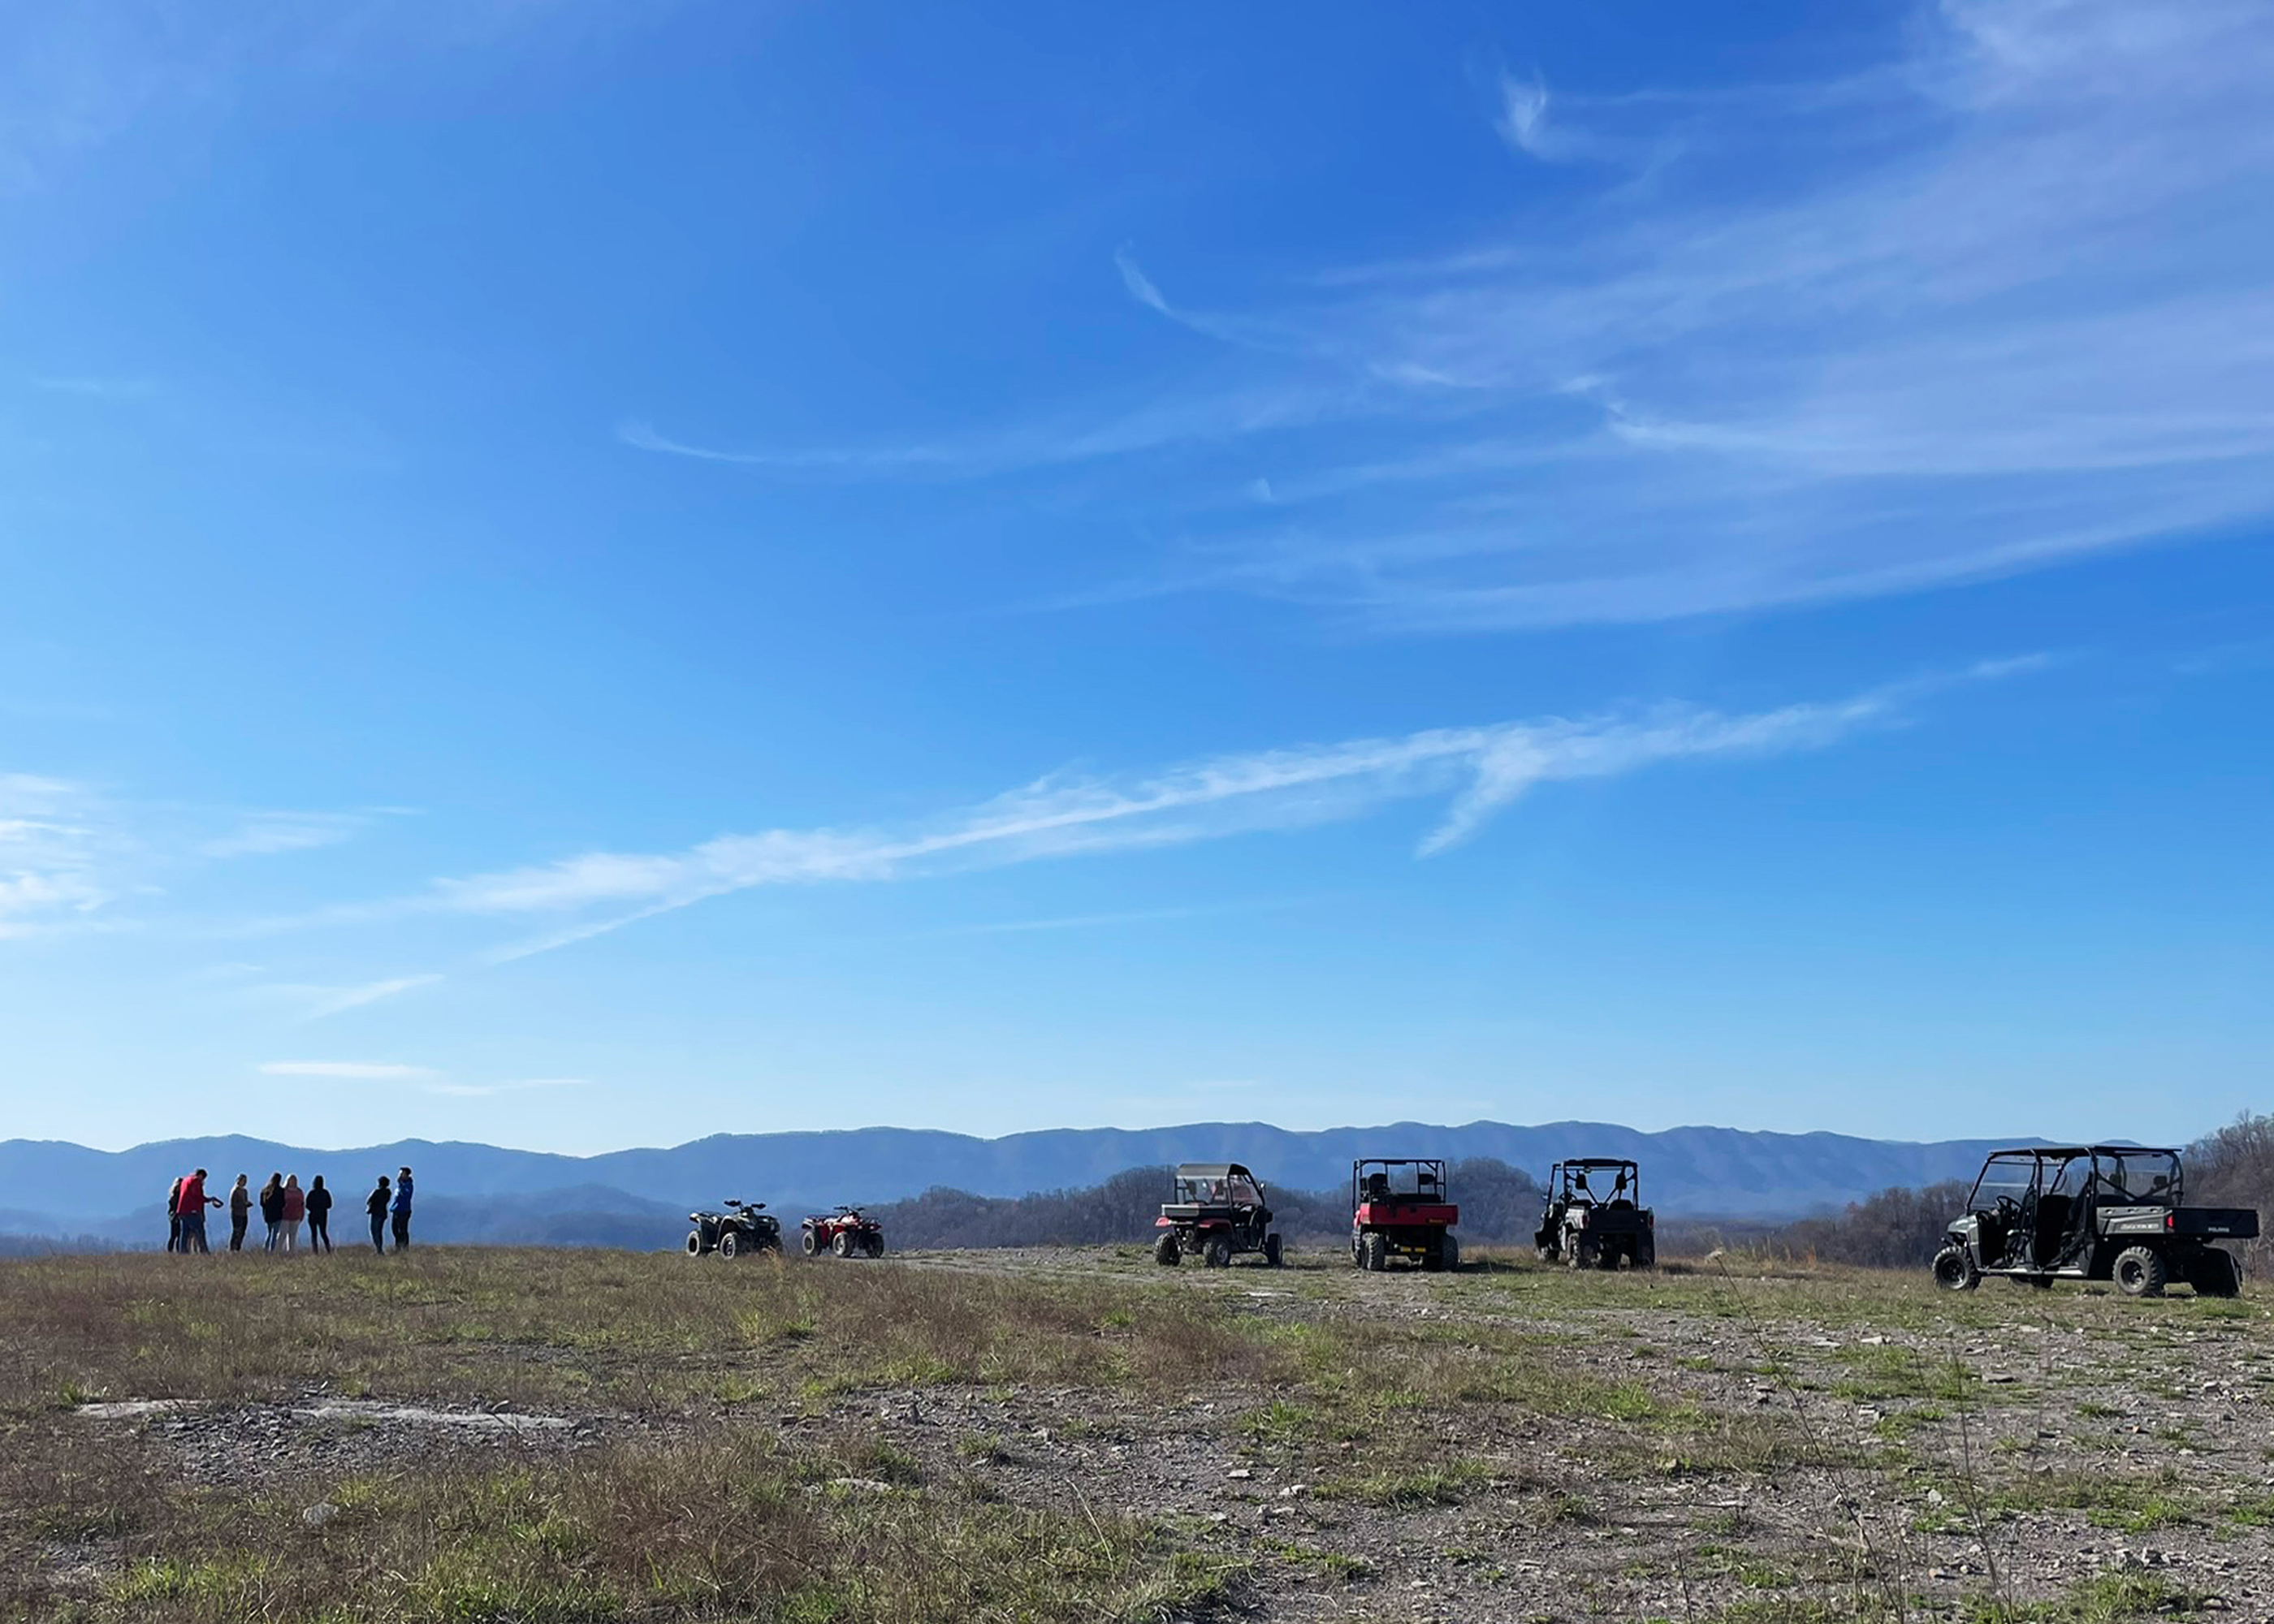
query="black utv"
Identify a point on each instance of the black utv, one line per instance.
(1583, 1227)
(1216, 1210)
(2092, 1211)
(744, 1229)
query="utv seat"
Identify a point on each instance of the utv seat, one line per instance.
(2052, 1216)
(1377, 1186)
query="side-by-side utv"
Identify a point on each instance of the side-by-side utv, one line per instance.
(1586, 1228)
(2092, 1211)
(1401, 1208)
(1216, 1211)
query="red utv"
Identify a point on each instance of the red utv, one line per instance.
(844, 1232)
(1400, 1207)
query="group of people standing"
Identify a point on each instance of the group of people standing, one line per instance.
(284, 1206)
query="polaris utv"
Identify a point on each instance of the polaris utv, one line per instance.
(1217, 1211)
(744, 1227)
(2092, 1211)
(1585, 1230)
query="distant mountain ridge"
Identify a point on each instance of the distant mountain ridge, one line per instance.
(1693, 1172)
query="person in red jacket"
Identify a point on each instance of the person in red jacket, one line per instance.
(192, 1207)
(296, 1207)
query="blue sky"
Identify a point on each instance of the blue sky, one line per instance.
(579, 576)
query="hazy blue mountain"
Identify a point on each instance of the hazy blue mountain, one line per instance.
(1702, 1172)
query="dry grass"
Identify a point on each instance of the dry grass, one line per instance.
(577, 1328)
(723, 1523)
(715, 1518)
(1776, 1436)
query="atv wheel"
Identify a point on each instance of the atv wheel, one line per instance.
(732, 1245)
(1166, 1253)
(1954, 1270)
(1547, 1254)
(1451, 1257)
(842, 1245)
(808, 1242)
(2215, 1274)
(2140, 1271)
(695, 1244)
(1275, 1251)
(1586, 1255)
(876, 1247)
(1374, 1251)
(1217, 1252)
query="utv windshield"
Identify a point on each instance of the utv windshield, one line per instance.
(1238, 1190)
(2010, 1177)
(2140, 1177)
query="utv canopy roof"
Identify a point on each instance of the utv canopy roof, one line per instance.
(2086, 1150)
(1597, 1161)
(1212, 1169)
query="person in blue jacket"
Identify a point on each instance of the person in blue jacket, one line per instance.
(403, 1210)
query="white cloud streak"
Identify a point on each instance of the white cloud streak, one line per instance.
(266, 833)
(1999, 303)
(1480, 769)
(54, 848)
(324, 1001)
(357, 1070)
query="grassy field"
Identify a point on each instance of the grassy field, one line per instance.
(474, 1435)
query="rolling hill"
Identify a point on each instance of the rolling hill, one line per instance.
(477, 1191)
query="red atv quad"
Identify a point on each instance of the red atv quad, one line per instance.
(1399, 1206)
(1218, 1211)
(844, 1232)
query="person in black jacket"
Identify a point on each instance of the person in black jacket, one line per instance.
(375, 1204)
(271, 1209)
(319, 1215)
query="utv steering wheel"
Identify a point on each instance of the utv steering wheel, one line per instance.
(2008, 1209)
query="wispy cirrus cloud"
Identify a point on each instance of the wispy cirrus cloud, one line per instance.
(426, 1079)
(314, 1003)
(57, 855)
(267, 833)
(1480, 770)
(1988, 305)
(74, 858)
